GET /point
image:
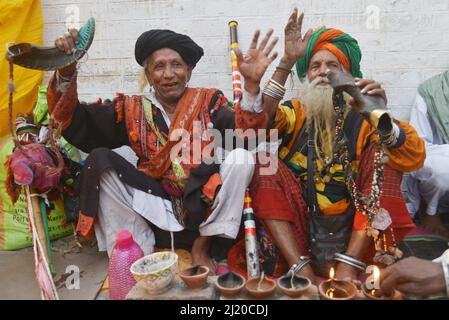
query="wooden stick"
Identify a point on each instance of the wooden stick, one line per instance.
(39, 223)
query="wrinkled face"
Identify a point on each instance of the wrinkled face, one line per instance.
(168, 73)
(320, 62)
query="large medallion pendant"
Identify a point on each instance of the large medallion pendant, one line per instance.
(382, 220)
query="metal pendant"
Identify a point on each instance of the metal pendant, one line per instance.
(382, 220)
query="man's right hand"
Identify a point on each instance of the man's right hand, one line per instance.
(67, 44)
(295, 44)
(415, 276)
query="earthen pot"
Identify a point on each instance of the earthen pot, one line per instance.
(264, 290)
(378, 295)
(230, 284)
(300, 285)
(195, 277)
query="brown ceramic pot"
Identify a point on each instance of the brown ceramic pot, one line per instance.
(344, 290)
(377, 294)
(230, 284)
(300, 285)
(264, 290)
(195, 277)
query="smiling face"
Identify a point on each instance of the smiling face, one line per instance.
(168, 73)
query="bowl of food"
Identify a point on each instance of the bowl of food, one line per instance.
(155, 272)
(230, 284)
(293, 286)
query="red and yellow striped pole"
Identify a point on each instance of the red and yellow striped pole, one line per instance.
(236, 76)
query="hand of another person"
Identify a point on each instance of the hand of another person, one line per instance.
(415, 276)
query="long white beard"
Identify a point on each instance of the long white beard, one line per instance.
(316, 98)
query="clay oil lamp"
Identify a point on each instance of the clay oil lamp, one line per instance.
(230, 284)
(373, 293)
(334, 289)
(293, 285)
(195, 277)
(260, 288)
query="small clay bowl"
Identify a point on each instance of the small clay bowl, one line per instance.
(301, 285)
(348, 286)
(195, 277)
(264, 290)
(230, 284)
(378, 294)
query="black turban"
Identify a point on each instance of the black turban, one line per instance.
(156, 39)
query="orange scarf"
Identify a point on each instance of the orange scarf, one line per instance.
(193, 102)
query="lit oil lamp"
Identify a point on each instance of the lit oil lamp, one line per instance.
(373, 293)
(334, 289)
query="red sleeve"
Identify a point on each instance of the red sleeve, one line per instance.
(62, 105)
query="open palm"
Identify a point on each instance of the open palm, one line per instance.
(256, 61)
(295, 45)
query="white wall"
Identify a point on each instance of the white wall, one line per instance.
(404, 42)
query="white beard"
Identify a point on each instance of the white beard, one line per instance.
(316, 98)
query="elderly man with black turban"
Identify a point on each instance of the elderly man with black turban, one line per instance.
(292, 234)
(169, 190)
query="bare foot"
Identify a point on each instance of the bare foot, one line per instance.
(434, 224)
(200, 254)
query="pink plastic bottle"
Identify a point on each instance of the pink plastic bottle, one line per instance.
(126, 251)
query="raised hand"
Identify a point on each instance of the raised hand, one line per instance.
(67, 43)
(256, 61)
(295, 44)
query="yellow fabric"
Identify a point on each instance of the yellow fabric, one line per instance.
(20, 21)
(286, 120)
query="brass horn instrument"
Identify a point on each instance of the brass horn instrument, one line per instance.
(373, 108)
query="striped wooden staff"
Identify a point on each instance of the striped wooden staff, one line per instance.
(252, 255)
(236, 76)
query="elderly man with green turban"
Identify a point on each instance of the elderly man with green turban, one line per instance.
(322, 224)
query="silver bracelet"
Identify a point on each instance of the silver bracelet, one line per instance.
(278, 84)
(272, 93)
(299, 266)
(274, 90)
(340, 257)
(446, 275)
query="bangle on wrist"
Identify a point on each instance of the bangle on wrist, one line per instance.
(340, 257)
(283, 70)
(303, 261)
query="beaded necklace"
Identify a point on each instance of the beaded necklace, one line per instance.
(369, 205)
